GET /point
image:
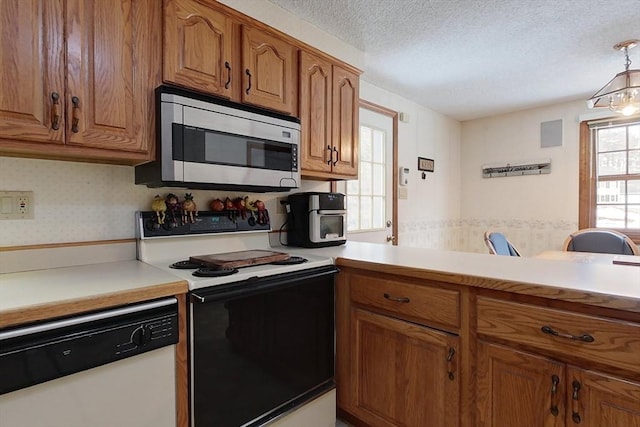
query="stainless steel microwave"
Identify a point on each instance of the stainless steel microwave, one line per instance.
(210, 143)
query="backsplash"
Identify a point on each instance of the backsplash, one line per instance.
(530, 237)
(80, 202)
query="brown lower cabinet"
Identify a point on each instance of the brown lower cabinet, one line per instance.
(400, 373)
(393, 370)
(517, 388)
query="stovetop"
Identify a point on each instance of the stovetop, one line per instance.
(243, 273)
(162, 246)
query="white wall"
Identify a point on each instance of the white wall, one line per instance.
(85, 202)
(429, 217)
(535, 212)
(78, 202)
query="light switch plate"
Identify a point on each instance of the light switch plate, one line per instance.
(403, 193)
(16, 204)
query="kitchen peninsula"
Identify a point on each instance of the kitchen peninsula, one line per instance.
(439, 338)
(428, 337)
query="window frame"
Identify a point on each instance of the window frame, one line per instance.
(587, 198)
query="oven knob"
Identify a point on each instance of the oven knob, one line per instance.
(251, 221)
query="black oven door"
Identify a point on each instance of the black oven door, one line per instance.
(261, 347)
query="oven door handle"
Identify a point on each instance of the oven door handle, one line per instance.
(258, 285)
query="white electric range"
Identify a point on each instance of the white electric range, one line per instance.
(268, 324)
(164, 247)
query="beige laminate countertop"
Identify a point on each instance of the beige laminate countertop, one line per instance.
(41, 294)
(598, 284)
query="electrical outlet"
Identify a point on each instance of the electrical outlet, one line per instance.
(281, 205)
(16, 204)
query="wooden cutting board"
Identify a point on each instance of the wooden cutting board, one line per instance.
(239, 259)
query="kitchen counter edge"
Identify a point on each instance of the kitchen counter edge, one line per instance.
(32, 296)
(607, 286)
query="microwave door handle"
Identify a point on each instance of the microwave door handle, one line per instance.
(332, 212)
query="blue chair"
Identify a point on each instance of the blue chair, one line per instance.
(602, 241)
(499, 245)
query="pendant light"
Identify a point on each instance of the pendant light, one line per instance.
(622, 94)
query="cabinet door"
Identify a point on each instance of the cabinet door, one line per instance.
(197, 47)
(598, 400)
(269, 71)
(400, 373)
(346, 100)
(315, 113)
(32, 70)
(113, 63)
(518, 389)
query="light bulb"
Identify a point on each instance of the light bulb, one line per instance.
(629, 109)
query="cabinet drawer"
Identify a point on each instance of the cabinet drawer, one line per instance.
(414, 302)
(601, 340)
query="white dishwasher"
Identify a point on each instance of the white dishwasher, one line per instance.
(110, 368)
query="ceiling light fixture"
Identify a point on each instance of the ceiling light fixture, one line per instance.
(622, 93)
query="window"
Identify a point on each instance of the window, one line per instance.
(610, 176)
(366, 198)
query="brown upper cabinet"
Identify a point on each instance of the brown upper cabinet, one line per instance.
(78, 79)
(329, 98)
(206, 49)
(269, 71)
(198, 47)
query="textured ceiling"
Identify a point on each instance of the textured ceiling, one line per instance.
(475, 58)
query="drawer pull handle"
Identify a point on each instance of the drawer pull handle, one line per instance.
(575, 404)
(330, 155)
(452, 352)
(555, 380)
(397, 299)
(584, 338)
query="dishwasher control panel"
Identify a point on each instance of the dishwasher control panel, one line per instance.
(41, 352)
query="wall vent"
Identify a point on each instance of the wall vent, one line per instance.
(537, 167)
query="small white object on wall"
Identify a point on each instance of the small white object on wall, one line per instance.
(551, 134)
(404, 176)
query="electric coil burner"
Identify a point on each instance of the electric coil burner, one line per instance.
(204, 271)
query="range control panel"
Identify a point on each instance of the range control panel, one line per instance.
(206, 222)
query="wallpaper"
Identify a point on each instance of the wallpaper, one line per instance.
(77, 202)
(530, 237)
